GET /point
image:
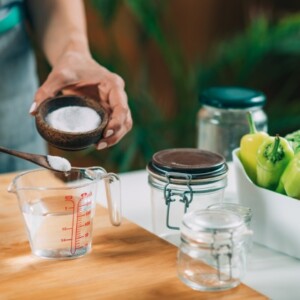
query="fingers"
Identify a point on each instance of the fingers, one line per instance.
(111, 136)
(112, 83)
(56, 82)
(120, 121)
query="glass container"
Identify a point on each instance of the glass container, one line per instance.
(213, 250)
(222, 118)
(58, 208)
(183, 180)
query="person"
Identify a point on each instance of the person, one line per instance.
(59, 26)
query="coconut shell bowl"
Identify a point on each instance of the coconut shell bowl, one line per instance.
(65, 139)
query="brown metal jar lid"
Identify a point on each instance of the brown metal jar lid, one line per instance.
(200, 164)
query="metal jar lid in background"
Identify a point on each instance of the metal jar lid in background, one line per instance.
(232, 97)
(199, 164)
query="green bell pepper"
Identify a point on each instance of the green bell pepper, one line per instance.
(294, 140)
(249, 145)
(289, 183)
(273, 156)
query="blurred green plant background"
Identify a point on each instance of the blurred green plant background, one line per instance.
(264, 54)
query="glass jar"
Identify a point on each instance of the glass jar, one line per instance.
(212, 253)
(183, 180)
(222, 119)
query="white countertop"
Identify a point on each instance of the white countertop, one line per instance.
(274, 274)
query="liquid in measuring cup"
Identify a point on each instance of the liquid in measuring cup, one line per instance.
(60, 226)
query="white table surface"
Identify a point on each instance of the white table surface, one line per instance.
(272, 273)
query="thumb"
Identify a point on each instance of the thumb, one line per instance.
(54, 84)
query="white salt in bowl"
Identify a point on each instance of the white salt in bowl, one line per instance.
(71, 122)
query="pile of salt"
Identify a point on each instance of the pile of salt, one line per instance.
(59, 163)
(75, 119)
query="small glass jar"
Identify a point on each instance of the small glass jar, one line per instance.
(212, 253)
(222, 119)
(183, 180)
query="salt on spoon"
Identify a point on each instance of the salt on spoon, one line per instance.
(59, 163)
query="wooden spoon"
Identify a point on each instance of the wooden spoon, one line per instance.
(53, 163)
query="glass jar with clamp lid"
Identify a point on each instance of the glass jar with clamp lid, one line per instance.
(182, 180)
(213, 250)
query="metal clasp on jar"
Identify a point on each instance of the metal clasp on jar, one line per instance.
(222, 253)
(171, 195)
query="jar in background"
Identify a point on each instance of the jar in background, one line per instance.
(183, 180)
(213, 250)
(222, 119)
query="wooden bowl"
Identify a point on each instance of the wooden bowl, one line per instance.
(69, 140)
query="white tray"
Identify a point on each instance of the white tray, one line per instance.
(276, 218)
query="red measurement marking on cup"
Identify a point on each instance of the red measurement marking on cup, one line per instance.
(82, 225)
(81, 211)
(70, 199)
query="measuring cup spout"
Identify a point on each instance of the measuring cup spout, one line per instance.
(12, 187)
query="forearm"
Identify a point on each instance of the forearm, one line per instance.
(60, 27)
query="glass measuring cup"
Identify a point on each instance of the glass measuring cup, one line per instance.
(58, 208)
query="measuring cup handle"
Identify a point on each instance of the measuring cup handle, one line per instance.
(113, 196)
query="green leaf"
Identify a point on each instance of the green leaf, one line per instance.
(107, 9)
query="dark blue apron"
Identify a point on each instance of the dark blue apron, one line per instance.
(18, 84)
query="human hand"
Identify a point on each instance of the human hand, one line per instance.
(77, 73)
